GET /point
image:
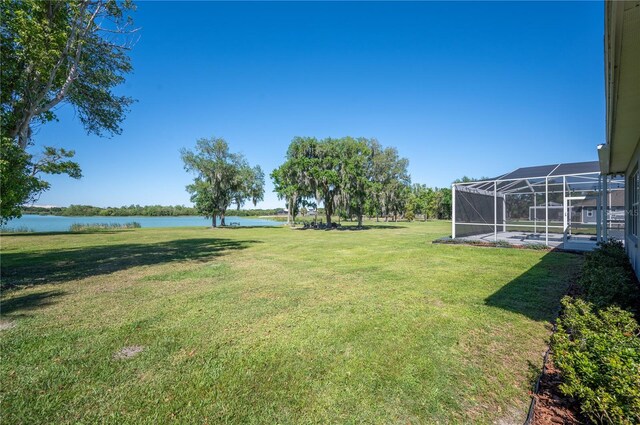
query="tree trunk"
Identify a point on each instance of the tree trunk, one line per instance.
(213, 221)
(359, 220)
(222, 223)
(22, 133)
(327, 214)
(291, 220)
(328, 208)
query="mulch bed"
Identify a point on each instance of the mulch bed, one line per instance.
(551, 407)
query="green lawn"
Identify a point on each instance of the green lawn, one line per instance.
(273, 325)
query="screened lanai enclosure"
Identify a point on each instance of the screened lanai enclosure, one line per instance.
(570, 206)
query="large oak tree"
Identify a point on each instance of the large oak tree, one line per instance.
(54, 53)
(347, 175)
(222, 178)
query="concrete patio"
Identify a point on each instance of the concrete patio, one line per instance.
(580, 243)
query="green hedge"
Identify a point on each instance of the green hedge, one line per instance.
(598, 352)
(597, 342)
(608, 279)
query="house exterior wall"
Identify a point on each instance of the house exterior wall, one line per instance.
(621, 153)
(585, 215)
(631, 241)
(593, 219)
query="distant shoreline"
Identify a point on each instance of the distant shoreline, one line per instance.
(59, 223)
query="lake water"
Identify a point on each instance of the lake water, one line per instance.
(53, 223)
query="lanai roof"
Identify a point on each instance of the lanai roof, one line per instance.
(533, 179)
(553, 170)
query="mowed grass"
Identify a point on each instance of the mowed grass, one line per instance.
(273, 325)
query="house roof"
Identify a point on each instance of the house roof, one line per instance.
(622, 85)
(616, 199)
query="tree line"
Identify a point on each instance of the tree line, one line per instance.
(349, 177)
(428, 202)
(138, 210)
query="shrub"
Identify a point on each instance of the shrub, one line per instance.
(607, 277)
(598, 353)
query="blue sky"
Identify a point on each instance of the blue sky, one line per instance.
(459, 88)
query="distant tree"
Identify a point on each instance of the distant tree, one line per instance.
(353, 170)
(293, 180)
(331, 171)
(55, 52)
(421, 194)
(250, 185)
(391, 181)
(434, 205)
(445, 205)
(222, 178)
(350, 177)
(134, 210)
(325, 175)
(374, 204)
(465, 179)
(411, 206)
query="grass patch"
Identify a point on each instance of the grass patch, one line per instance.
(273, 325)
(209, 271)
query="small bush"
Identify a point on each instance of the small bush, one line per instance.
(607, 277)
(79, 227)
(598, 353)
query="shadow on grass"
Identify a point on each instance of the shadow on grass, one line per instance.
(63, 265)
(29, 301)
(537, 292)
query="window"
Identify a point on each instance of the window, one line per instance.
(634, 198)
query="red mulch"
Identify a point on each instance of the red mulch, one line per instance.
(551, 406)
